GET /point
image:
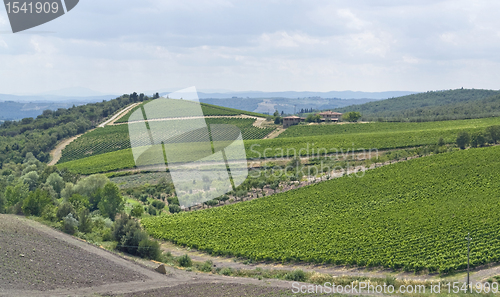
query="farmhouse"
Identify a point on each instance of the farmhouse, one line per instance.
(330, 116)
(291, 120)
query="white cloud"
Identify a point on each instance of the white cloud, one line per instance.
(122, 45)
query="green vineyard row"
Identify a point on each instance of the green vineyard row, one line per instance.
(412, 215)
(115, 138)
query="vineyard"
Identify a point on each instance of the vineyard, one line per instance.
(208, 110)
(334, 129)
(313, 146)
(412, 215)
(115, 138)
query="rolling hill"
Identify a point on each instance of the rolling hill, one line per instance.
(432, 106)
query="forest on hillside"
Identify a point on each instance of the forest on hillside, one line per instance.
(432, 106)
(40, 135)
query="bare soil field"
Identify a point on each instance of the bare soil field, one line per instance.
(215, 290)
(36, 260)
(31, 260)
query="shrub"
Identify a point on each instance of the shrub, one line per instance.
(184, 261)
(296, 275)
(174, 208)
(70, 224)
(173, 200)
(158, 204)
(226, 271)
(211, 202)
(207, 266)
(137, 211)
(149, 249)
(152, 210)
(143, 197)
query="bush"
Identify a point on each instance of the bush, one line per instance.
(158, 204)
(137, 211)
(174, 208)
(143, 197)
(296, 275)
(207, 266)
(152, 210)
(226, 271)
(70, 224)
(149, 249)
(173, 200)
(212, 202)
(184, 261)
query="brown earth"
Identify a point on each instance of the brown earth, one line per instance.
(36, 260)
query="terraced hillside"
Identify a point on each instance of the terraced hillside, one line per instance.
(412, 215)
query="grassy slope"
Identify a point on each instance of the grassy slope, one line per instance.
(413, 214)
(360, 136)
(440, 105)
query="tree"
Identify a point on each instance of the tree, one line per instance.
(111, 202)
(477, 139)
(89, 185)
(174, 208)
(31, 179)
(64, 209)
(35, 202)
(352, 116)
(79, 202)
(440, 141)
(84, 221)
(313, 118)
(56, 182)
(493, 133)
(278, 120)
(463, 140)
(276, 113)
(70, 224)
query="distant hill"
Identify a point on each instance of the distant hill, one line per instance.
(287, 105)
(298, 95)
(432, 106)
(14, 107)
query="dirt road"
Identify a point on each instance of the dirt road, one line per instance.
(56, 153)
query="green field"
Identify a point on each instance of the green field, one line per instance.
(208, 110)
(356, 137)
(115, 138)
(411, 215)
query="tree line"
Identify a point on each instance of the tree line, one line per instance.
(40, 135)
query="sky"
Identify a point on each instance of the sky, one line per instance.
(122, 46)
